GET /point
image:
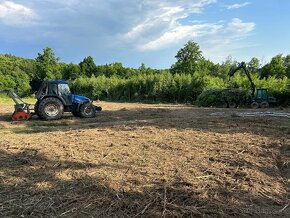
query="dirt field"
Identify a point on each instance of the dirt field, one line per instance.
(137, 160)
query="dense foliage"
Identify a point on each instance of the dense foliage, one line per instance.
(190, 76)
(152, 87)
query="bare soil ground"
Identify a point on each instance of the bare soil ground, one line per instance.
(138, 160)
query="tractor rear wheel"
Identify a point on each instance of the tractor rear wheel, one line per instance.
(50, 109)
(87, 110)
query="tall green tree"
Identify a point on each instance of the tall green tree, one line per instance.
(47, 65)
(71, 71)
(88, 66)
(254, 65)
(276, 68)
(224, 68)
(188, 59)
(287, 65)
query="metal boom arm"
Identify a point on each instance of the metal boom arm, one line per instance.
(14, 97)
(20, 104)
(242, 65)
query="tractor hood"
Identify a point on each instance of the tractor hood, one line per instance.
(79, 99)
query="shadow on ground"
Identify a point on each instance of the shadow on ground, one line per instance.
(163, 118)
(30, 186)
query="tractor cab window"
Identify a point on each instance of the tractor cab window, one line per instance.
(262, 94)
(42, 90)
(259, 94)
(52, 89)
(65, 93)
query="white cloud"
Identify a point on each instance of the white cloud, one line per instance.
(238, 26)
(16, 14)
(127, 31)
(236, 6)
(180, 33)
(227, 40)
(163, 27)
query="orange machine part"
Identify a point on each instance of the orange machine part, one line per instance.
(20, 116)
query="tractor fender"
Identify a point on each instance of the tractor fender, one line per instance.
(77, 105)
(52, 96)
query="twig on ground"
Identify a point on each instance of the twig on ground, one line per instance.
(284, 208)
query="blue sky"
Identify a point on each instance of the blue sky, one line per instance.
(145, 31)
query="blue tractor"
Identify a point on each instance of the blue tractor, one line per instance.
(54, 98)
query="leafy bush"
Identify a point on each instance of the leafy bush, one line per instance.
(163, 87)
(222, 97)
(211, 97)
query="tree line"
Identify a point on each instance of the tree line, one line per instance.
(190, 76)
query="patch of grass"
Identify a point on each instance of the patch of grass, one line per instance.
(4, 99)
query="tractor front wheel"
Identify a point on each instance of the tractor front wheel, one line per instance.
(87, 110)
(50, 109)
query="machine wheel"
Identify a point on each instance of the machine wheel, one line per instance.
(50, 109)
(87, 110)
(254, 105)
(98, 108)
(233, 104)
(264, 104)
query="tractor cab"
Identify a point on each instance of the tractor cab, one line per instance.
(262, 99)
(54, 97)
(56, 88)
(262, 95)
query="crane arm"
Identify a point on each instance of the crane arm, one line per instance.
(242, 65)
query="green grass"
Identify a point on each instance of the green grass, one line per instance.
(6, 100)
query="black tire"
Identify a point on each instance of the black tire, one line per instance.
(36, 108)
(99, 109)
(50, 109)
(233, 104)
(87, 110)
(264, 104)
(254, 105)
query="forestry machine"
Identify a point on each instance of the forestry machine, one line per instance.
(261, 98)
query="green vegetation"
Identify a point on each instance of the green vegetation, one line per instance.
(159, 87)
(4, 99)
(188, 78)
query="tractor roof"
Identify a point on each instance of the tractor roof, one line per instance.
(57, 82)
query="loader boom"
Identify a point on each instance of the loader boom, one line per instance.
(242, 65)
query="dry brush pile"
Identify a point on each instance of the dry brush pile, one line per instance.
(139, 160)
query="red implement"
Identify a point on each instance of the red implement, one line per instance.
(20, 116)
